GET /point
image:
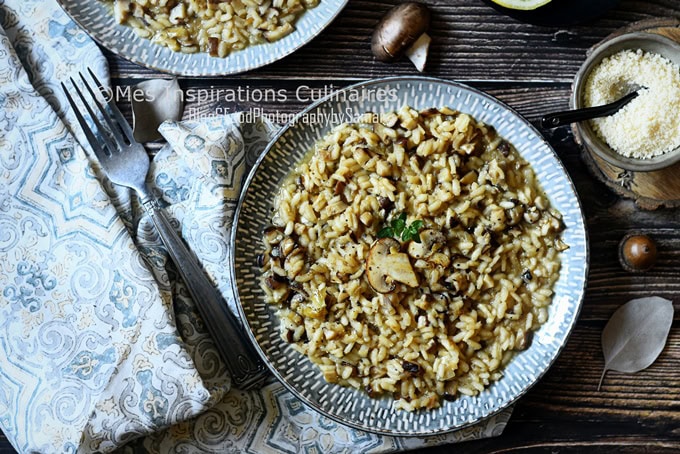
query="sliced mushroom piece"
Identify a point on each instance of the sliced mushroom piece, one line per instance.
(280, 278)
(295, 263)
(523, 340)
(389, 119)
(418, 250)
(386, 134)
(495, 218)
(262, 259)
(122, 10)
(531, 215)
(435, 239)
(288, 335)
(386, 205)
(403, 31)
(178, 14)
(274, 283)
(273, 235)
(439, 259)
(279, 288)
(138, 11)
(213, 46)
(315, 306)
(386, 265)
(411, 368)
(340, 278)
(339, 187)
(514, 215)
(295, 299)
(457, 281)
(560, 245)
(287, 245)
(431, 240)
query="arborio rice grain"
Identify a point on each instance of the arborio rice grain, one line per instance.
(214, 26)
(445, 314)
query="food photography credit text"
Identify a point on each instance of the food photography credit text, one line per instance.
(339, 226)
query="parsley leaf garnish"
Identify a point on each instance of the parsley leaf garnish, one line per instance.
(386, 232)
(398, 228)
(412, 232)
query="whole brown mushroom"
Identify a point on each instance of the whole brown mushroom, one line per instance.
(403, 31)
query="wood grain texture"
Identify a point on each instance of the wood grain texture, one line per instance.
(471, 42)
(564, 412)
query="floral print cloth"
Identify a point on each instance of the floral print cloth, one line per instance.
(100, 343)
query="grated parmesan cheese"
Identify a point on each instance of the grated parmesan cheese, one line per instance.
(649, 125)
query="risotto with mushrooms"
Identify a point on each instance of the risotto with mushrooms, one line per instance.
(214, 26)
(412, 255)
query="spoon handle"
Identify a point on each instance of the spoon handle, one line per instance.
(572, 116)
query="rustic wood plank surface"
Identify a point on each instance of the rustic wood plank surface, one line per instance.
(472, 42)
(530, 68)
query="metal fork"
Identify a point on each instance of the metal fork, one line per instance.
(126, 163)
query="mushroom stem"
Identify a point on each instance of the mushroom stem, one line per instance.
(417, 53)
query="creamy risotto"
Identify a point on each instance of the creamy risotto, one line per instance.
(217, 27)
(411, 255)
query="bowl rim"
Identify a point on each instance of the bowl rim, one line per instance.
(253, 338)
(593, 143)
(160, 58)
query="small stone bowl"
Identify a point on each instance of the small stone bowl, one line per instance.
(648, 42)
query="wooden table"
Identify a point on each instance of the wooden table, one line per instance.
(531, 69)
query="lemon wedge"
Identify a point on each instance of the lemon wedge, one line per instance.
(521, 4)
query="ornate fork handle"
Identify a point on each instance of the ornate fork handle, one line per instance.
(126, 163)
(244, 364)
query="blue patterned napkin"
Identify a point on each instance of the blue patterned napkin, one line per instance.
(90, 356)
(99, 342)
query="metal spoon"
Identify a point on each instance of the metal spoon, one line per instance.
(572, 116)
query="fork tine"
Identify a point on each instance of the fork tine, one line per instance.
(89, 134)
(113, 127)
(102, 131)
(125, 126)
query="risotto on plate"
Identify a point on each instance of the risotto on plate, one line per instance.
(217, 27)
(411, 254)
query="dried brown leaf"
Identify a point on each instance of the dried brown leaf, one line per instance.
(636, 334)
